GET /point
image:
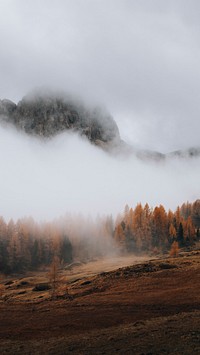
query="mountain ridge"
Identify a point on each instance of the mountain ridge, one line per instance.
(47, 115)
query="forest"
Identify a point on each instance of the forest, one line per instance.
(29, 245)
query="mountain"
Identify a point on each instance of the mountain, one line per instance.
(48, 114)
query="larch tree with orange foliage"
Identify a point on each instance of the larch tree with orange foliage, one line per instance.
(160, 227)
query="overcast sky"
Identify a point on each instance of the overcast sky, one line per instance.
(141, 58)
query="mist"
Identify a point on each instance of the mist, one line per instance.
(48, 178)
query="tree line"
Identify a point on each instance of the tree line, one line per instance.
(144, 229)
(27, 245)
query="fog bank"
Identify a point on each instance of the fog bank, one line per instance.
(48, 178)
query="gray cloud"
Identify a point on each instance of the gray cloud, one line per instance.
(140, 58)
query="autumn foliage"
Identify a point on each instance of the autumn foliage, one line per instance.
(146, 229)
(27, 245)
(174, 249)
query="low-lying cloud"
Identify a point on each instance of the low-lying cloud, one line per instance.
(48, 178)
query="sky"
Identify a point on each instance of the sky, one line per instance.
(138, 58)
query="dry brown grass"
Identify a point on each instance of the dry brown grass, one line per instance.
(150, 307)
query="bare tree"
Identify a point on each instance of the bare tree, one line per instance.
(174, 251)
(54, 275)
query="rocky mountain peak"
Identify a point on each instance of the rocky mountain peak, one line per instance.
(48, 115)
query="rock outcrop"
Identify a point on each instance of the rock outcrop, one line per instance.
(48, 115)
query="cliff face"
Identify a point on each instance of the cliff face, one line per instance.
(46, 116)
